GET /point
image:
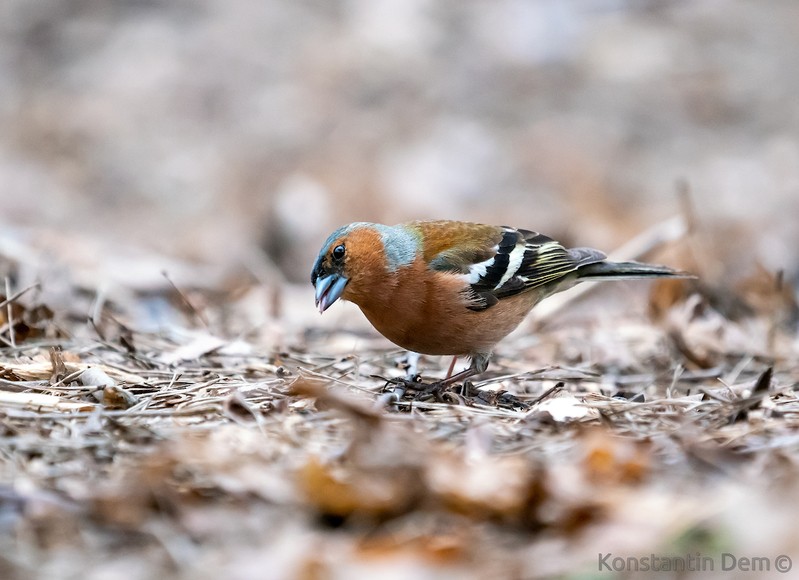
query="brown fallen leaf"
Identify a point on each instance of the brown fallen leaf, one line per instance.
(345, 491)
(438, 549)
(330, 398)
(487, 487)
(115, 397)
(613, 460)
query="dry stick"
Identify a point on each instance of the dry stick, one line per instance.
(337, 380)
(30, 415)
(666, 231)
(3, 340)
(13, 298)
(41, 401)
(10, 316)
(19, 386)
(11, 342)
(541, 375)
(97, 310)
(689, 213)
(337, 360)
(449, 409)
(774, 315)
(200, 316)
(548, 393)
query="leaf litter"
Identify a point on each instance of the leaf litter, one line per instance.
(228, 443)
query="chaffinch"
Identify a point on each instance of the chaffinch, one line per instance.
(454, 288)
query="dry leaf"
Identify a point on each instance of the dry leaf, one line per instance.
(343, 492)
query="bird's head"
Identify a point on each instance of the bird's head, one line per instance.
(357, 258)
(330, 274)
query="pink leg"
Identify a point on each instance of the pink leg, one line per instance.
(451, 367)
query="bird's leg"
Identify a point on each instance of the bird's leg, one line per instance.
(412, 366)
(478, 366)
(410, 381)
(451, 367)
(457, 377)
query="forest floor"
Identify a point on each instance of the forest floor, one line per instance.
(219, 444)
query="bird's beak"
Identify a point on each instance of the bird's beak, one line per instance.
(328, 290)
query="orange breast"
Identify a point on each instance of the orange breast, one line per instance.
(425, 312)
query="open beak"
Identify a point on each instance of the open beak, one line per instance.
(328, 290)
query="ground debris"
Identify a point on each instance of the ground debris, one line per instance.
(195, 449)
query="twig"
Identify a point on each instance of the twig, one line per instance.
(339, 381)
(13, 298)
(40, 401)
(97, 310)
(200, 316)
(217, 408)
(10, 316)
(548, 393)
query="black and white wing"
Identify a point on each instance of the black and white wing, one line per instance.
(524, 261)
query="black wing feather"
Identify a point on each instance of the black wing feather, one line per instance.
(544, 262)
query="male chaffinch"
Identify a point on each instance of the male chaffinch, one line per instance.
(454, 288)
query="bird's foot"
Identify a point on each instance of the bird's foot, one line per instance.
(443, 391)
(412, 383)
(438, 390)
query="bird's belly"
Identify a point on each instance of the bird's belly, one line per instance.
(448, 331)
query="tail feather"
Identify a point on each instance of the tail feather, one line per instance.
(627, 271)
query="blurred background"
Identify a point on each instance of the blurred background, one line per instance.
(223, 132)
(168, 172)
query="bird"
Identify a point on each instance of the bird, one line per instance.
(441, 287)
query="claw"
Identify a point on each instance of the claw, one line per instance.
(443, 392)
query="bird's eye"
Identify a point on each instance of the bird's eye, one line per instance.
(338, 252)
